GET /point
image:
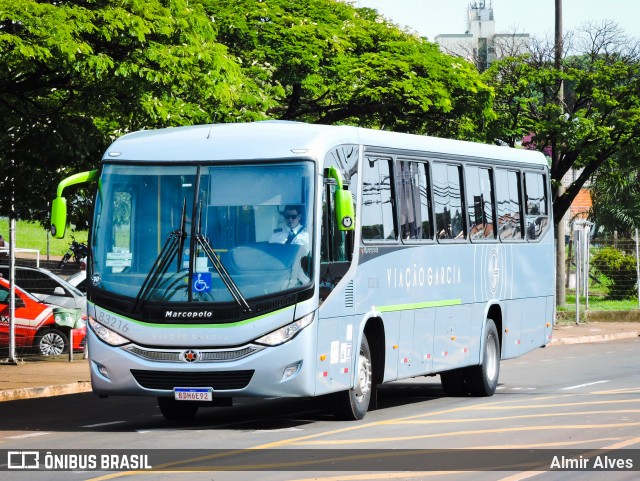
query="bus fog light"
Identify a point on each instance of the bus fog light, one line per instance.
(291, 370)
(102, 370)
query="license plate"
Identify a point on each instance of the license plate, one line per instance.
(193, 394)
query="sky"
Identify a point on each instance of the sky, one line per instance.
(536, 17)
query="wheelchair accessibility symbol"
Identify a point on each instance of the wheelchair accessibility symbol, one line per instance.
(201, 282)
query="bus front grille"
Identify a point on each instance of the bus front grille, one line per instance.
(218, 380)
(204, 355)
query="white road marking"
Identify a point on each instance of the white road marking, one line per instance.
(102, 424)
(283, 430)
(583, 385)
(30, 435)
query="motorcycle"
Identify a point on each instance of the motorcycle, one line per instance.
(77, 250)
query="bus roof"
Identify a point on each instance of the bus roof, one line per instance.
(283, 139)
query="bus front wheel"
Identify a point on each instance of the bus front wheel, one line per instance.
(483, 379)
(353, 404)
(179, 411)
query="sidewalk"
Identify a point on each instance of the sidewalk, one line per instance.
(44, 378)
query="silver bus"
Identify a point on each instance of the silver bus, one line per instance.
(294, 260)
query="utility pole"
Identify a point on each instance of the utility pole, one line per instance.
(561, 274)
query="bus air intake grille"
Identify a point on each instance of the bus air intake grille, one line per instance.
(348, 295)
(167, 380)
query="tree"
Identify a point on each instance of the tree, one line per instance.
(330, 63)
(615, 191)
(601, 113)
(76, 74)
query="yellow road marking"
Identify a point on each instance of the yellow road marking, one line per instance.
(631, 390)
(571, 404)
(508, 418)
(305, 440)
(343, 442)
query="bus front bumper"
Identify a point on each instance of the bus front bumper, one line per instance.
(286, 370)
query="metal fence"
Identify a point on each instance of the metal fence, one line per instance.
(604, 271)
(51, 341)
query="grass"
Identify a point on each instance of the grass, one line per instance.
(31, 235)
(596, 304)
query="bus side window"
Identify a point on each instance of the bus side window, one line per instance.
(537, 215)
(413, 198)
(508, 199)
(447, 196)
(378, 221)
(479, 202)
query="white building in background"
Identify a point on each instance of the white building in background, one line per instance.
(480, 44)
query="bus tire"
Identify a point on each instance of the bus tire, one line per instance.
(352, 405)
(483, 379)
(179, 411)
(454, 383)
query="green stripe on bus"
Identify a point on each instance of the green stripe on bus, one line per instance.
(420, 305)
(195, 326)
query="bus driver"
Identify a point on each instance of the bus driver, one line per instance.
(295, 233)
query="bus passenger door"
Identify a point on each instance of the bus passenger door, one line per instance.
(338, 330)
(336, 247)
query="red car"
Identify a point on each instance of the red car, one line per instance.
(35, 326)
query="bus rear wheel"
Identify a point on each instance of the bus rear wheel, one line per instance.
(352, 405)
(483, 379)
(179, 411)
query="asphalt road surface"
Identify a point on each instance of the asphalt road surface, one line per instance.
(555, 407)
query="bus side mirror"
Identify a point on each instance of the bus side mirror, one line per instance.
(58, 217)
(345, 213)
(59, 204)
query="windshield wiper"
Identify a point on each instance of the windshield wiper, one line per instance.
(171, 249)
(203, 242)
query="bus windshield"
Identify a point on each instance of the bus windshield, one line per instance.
(209, 233)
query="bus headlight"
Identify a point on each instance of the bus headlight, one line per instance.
(286, 333)
(107, 335)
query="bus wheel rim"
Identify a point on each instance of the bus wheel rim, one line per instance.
(363, 386)
(492, 358)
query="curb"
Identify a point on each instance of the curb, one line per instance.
(596, 338)
(46, 391)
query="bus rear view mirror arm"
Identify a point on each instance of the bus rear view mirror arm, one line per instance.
(59, 204)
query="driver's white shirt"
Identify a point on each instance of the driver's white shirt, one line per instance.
(281, 235)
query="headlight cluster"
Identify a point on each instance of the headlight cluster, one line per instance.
(286, 333)
(107, 335)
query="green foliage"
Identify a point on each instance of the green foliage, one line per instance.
(327, 62)
(76, 74)
(619, 268)
(616, 195)
(600, 116)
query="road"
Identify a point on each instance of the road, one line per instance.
(583, 396)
